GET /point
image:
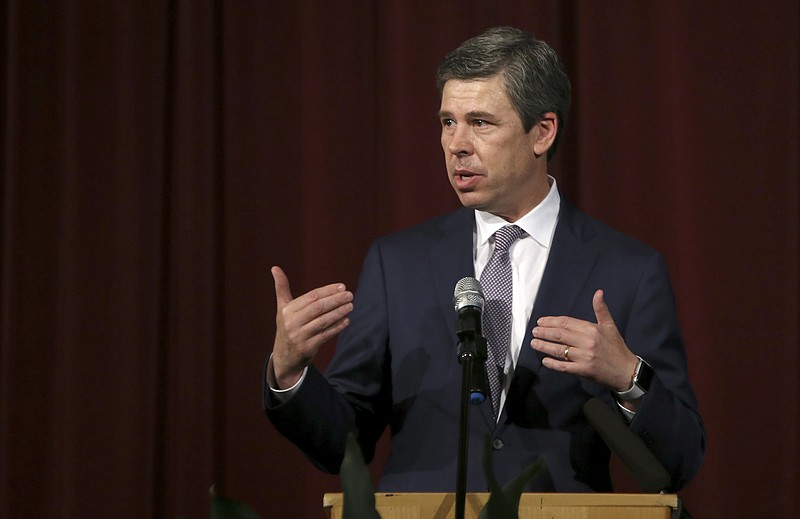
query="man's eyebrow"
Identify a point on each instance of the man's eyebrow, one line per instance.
(476, 114)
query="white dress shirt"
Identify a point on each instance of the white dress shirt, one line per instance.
(528, 256)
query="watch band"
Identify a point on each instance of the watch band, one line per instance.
(640, 383)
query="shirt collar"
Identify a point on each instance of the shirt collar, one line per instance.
(539, 223)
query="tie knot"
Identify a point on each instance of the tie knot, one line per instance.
(505, 236)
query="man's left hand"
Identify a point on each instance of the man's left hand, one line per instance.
(593, 350)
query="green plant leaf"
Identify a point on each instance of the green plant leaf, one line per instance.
(503, 503)
(224, 508)
(359, 494)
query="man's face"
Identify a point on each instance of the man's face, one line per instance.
(490, 158)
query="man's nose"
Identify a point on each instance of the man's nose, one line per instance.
(460, 142)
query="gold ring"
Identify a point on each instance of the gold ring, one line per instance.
(566, 353)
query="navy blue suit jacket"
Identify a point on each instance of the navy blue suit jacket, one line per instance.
(396, 365)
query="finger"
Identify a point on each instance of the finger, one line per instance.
(560, 365)
(554, 349)
(564, 323)
(601, 311)
(283, 293)
(331, 331)
(554, 322)
(331, 319)
(557, 335)
(319, 302)
(311, 320)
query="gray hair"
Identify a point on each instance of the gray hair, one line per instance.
(534, 77)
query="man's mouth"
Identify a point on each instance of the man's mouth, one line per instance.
(464, 173)
(465, 180)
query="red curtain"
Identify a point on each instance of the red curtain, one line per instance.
(159, 156)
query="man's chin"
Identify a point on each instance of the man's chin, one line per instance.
(470, 200)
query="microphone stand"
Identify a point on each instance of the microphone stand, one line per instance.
(472, 357)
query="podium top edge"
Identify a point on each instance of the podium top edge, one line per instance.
(527, 499)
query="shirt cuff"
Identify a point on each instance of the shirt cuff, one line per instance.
(627, 414)
(282, 395)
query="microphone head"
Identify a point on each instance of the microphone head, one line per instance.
(468, 292)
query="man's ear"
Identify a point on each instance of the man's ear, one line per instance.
(543, 133)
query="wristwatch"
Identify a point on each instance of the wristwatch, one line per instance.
(642, 378)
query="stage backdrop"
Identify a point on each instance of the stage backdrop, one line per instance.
(159, 156)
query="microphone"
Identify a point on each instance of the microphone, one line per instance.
(637, 459)
(469, 301)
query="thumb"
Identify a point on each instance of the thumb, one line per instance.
(283, 293)
(601, 311)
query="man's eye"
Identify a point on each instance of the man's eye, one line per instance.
(447, 122)
(479, 123)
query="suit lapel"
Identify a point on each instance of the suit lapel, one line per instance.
(451, 259)
(569, 264)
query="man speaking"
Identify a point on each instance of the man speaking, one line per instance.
(574, 310)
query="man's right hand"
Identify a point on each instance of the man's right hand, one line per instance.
(304, 324)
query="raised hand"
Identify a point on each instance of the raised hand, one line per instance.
(304, 324)
(593, 350)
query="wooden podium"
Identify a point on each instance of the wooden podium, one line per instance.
(532, 506)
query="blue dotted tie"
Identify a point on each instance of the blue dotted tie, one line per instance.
(498, 290)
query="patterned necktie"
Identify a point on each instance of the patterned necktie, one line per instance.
(498, 290)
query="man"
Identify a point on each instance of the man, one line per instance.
(590, 311)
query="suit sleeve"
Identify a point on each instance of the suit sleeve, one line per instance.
(668, 420)
(354, 395)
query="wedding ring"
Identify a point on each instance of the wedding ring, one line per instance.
(566, 353)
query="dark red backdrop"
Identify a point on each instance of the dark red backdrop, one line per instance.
(158, 157)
